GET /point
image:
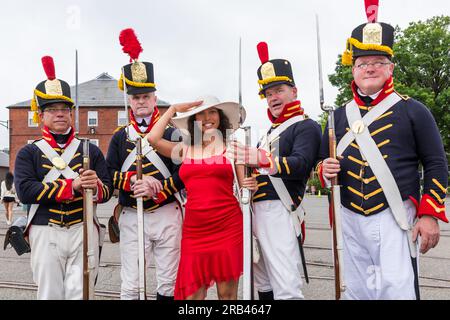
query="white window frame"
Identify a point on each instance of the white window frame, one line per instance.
(31, 124)
(95, 142)
(121, 115)
(94, 116)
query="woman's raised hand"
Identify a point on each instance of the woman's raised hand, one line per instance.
(186, 106)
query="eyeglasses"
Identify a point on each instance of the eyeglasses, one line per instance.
(376, 65)
(56, 110)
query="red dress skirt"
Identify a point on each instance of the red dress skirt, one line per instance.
(212, 240)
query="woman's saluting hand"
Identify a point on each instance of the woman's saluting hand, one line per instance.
(185, 106)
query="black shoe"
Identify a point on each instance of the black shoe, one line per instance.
(161, 297)
(265, 295)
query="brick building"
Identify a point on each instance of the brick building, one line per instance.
(101, 111)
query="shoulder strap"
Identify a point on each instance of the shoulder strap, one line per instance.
(267, 139)
(297, 213)
(54, 173)
(152, 156)
(370, 117)
(378, 164)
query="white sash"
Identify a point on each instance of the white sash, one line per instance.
(372, 154)
(54, 173)
(298, 214)
(152, 156)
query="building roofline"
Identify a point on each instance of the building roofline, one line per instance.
(89, 92)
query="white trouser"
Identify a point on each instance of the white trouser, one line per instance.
(57, 261)
(162, 236)
(279, 267)
(377, 262)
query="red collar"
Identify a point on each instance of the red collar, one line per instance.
(154, 118)
(47, 135)
(290, 110)
(388, 88)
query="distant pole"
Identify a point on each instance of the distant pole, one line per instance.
(77, 115)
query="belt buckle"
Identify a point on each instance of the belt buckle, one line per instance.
(65, 225)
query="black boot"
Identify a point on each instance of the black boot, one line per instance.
(265, 295)
(161, 297)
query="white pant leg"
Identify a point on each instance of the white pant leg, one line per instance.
(279, 249)
(397, 274)
(165, 234)
(129, 272)
(74, 264)
(261, 278)
(46, 264)
(57, 261)
(377, 263)
(360, 243)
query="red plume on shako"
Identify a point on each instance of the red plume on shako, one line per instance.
(49, 91)
(138, 75)
(130, 44)
(263, 52)
(272, 72)
(49, 67)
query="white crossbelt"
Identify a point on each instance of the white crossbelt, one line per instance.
(371, 153)
(297, 214)
(152, 156)
(55, 173)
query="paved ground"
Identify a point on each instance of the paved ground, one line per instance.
(15, 270)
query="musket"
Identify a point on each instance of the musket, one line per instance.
(335, 202)
(88, 230)
(248, 291)
(139, 203)
(88, 207)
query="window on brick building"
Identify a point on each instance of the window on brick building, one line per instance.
(94, 141)
(121, 118)
(92, 118)
(30, 120)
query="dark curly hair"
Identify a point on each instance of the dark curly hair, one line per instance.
(9, 180)
(224, 125)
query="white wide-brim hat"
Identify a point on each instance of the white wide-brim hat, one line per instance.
(235, 114)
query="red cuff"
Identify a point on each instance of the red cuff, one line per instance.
(99, 191)
(319, 170)
(126, 186)
(65, 191)
(264, 159)
(303, 227)
(161, 197)
(429, 206)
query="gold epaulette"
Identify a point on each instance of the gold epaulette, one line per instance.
(404, 97)
(118, 129)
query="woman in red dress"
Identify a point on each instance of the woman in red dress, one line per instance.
(212, 239)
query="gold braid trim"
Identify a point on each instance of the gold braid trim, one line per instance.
(40, 94)
(273, 79)
(270, 80)
(133, 83)
(347, 56)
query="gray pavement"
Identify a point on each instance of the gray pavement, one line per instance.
(15, 271)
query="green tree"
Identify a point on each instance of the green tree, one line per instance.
(422, 69)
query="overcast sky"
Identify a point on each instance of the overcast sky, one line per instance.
(192, 43)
